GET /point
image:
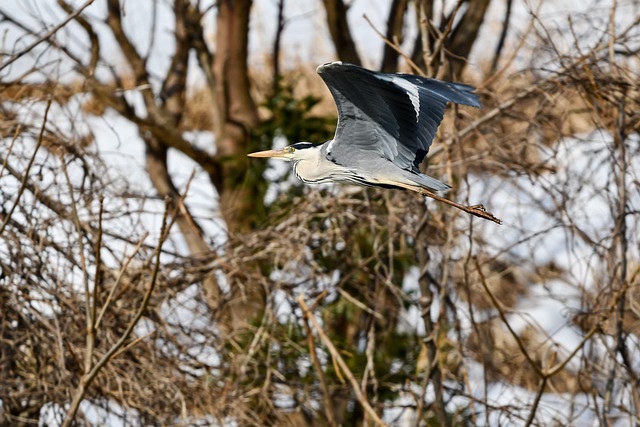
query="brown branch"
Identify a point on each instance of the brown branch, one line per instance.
(16, 134)
(536, 402)
(123, 269)
(442, 40)
(503, 317)
(157, 168)
(423, 12)
(47, 36)
(395, 46)
(340, 362)
(135, 60)
(160, 122)
(503, 36)
(88, 377)
(464, 36)
(159, 126)
(276, 46)
(98, 267)
(23, 184)
(206, 60)
(395, 23)
(328, 399)
(173, 91)
(340, 32)
(90, 338)
(93, 37)
(433, 370)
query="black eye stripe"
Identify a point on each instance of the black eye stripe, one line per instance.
(302, 145)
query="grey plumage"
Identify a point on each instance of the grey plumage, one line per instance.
(386, 124)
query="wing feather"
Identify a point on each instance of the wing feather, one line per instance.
(395, 116)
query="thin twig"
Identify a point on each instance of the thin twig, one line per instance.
(328, 399)
(612, 34)
(10, 150)
(54, 30)
(134, 343)
(90, 339)
(98, 274)
(433, 369)
(536, 402)
(89, 377)
(441, 39)
(395, 47)
(26, 172)
(370, 369)
(510, 59)
(359, 304)
(503, 35)
(423, 28)
(341, 363)
(123, 269)
(503, 317)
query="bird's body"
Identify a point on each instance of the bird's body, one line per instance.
(386, 124)
(314, 167)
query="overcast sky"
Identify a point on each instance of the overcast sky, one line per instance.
(305, 40)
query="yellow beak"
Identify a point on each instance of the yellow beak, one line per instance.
(268, 153)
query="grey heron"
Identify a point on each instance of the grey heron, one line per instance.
(386, 124)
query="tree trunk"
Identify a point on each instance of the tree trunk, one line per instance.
(237, 110)
(503, 36)
(340, 33)
(238, 117)
(395, 22)
(464, 35)
(459, 43)
(424, 8)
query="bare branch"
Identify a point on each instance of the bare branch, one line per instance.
(503, 36)
(340, 31)
(47, 36)
(395, 23)
(25, 177)
(88, 377)
(341, 363)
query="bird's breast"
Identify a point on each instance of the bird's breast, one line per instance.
(312, 171)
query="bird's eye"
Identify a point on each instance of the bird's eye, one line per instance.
(289, 149)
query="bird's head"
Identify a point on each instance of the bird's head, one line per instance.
(290, 153)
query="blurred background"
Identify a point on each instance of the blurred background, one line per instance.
(152, 274)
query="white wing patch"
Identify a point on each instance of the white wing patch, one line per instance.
(410, 88)
(329, 146)
(327, 65)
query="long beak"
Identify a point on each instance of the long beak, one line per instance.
(268, 153)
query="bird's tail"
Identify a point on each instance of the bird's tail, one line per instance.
(429, 183)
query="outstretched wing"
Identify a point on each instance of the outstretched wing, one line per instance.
(393, 115)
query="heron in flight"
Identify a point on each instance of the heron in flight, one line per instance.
(386, 124)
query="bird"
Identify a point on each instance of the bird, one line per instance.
(386, 125)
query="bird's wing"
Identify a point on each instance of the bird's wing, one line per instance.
(393, 115)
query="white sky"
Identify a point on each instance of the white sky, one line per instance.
(305, 39)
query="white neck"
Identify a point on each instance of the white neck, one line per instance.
(311, 166)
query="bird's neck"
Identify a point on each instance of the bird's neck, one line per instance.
(312, 167)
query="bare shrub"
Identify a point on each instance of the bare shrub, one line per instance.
(340, 306)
